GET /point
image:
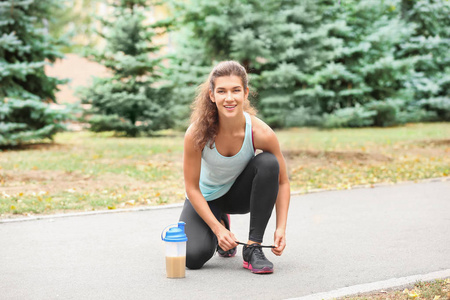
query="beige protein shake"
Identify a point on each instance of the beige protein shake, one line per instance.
(175, 266)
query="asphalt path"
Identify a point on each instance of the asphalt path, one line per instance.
(335, 240)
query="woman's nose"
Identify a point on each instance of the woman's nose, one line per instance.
(228, 97)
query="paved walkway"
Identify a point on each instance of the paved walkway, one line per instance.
(336, 240)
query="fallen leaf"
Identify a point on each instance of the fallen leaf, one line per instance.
(436, 297)
(111, 207)
(131, 202)
(413, 295)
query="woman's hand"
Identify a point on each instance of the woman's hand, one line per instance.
(279, 242)
(225, 239)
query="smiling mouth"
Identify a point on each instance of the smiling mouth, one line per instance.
(230, 107)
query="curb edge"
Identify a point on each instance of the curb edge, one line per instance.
(360, 289)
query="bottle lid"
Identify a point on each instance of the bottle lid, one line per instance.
(176, 234)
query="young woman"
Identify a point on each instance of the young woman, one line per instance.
(223, 175)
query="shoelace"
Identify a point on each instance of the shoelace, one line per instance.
(254, 245)
(258, 252)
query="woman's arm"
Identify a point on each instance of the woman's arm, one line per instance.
(266, 140)
(191, 168)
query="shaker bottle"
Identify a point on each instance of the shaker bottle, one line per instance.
(175, 239)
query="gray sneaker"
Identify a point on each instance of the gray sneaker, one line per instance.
(255, 260)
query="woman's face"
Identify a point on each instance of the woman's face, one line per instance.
(229, 95)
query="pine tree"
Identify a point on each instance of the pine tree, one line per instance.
(363, 83)
(212, 31)
(135, 99)
(430, 43)
(289, 93)
(189, 67)
(327, 63)
(281, 43)
(382, 69)
(25, 91)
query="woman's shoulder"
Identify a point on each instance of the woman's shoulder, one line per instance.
(190, 134)
(191, 130)
(190, 138)
(259, 126)
(262, 133)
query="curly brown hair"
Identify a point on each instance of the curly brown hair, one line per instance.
(204, 112)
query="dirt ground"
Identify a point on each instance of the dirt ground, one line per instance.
(59, 181)
(309, 157)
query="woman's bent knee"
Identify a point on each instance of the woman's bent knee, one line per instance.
(268, 162)
(193, 264)
(196, 259)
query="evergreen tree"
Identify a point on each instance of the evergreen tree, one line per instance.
(327, 63)
(135, 99)
(281, 43)
(289, 93)
(430, 43)
(25, 91)
(188, 69)
(212, 31)
(363, 83)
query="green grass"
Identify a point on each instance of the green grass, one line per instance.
(95, 154)
(345, 139)
(86, 171)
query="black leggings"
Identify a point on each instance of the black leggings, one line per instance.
(254, 191)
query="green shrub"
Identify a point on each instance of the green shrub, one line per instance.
(438, 105)
(99, 123)
(303, 116)
(385, 113)
(349, 117)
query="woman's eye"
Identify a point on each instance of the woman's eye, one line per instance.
(237, 91)
(220, 92)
